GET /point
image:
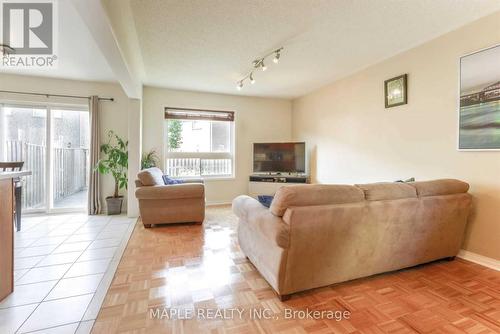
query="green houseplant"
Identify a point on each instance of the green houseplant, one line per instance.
(150, 159)
(115, 163)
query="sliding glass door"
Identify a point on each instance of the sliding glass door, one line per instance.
(23, 136)
(53, 142)
(70, 158)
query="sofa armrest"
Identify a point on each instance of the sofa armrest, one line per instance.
(261, 220)
(174, 191)
(243, 205)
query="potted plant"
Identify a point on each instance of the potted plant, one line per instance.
(115, 163)
(150, 159)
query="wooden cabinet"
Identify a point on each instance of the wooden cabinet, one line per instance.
(6, 237)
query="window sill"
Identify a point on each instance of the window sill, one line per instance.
(210, 178)
(219, 178)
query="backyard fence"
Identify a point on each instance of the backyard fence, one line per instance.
(70, 171)
(178, 167)
(70, 168)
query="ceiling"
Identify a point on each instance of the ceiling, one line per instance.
(208, 45)
(79, 57)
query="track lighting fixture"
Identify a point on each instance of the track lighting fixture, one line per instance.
(276, 58)
(259, 64)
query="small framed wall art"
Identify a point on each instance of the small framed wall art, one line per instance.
(396, 91)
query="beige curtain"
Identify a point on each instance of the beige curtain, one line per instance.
(94, 201)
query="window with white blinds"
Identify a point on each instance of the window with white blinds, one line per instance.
(199, 143)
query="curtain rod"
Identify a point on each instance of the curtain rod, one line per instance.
(56, 95)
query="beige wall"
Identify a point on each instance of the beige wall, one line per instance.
(353, 138)
(257, 119)
(113, 114)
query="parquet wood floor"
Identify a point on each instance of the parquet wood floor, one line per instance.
(200, 267)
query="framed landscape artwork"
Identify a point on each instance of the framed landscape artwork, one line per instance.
(479, 109)
(396, 91)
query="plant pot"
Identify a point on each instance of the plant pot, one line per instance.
(114, 205)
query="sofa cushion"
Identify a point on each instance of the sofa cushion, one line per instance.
(387, 190)
(317, 194)
(151, 177)
(440, 187)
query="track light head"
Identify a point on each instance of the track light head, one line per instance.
(252, 80)
(239, 86)
(263, 66)
(276, 58)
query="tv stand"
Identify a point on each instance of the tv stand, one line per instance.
(267, 184)
(278, 178)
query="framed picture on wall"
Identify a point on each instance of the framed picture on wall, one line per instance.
(396, 91)
(479, 107)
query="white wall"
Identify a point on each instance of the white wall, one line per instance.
(355, 139)
(114, 115)
(134, 153)
(257, 120)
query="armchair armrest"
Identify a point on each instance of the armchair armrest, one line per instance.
(174, 191)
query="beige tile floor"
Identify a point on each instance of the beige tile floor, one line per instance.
(63, 265)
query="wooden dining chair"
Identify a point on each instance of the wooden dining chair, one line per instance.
(15, 166)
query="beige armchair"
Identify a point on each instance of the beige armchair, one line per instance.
(166, 204)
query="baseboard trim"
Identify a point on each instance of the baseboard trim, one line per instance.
(217, 203)
(479, 259)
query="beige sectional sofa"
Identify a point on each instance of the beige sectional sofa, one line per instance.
(317, 235)
(166, 204)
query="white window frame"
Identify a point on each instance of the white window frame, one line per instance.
(202, 155)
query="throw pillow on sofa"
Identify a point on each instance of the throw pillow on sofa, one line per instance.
(168, 180)
(411, 179)
(265, 200)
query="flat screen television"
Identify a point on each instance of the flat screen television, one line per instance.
(279, 157)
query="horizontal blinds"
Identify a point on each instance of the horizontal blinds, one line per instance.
(199, 114)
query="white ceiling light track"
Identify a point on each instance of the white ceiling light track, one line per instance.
(259, 64)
